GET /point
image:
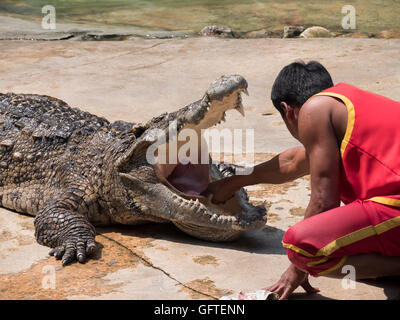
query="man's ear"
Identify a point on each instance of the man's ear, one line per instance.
(287, 110)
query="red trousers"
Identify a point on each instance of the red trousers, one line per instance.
(322, 243)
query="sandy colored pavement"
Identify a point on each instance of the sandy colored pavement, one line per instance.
(137, 79)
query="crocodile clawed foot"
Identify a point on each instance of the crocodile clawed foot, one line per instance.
(72, 250)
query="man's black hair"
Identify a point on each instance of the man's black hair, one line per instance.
(297, 82)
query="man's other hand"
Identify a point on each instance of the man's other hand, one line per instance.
(221, 191)
(289, 281)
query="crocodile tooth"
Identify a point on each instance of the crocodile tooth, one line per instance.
(240, 109)
(204, 212)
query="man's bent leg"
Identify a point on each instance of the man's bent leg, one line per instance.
(323, 243)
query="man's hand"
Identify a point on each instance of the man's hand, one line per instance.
(222, 190)
(289, 281)
(287, 166)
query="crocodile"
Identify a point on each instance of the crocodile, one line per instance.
(73, 171)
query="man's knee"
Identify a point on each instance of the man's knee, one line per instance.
(298, 250)
(294, 236)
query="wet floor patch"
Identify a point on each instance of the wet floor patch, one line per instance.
(205, 288)
(273, 217)
(267, 190)
(47, 279)
(298, 211)
(206, 260)
(5, 235)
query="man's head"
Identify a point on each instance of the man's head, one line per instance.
(295, 84)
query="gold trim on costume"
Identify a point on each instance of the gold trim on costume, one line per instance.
(386, 200)
(314, 263)
(359, 235)
(343, 241)
(341, 262)
(351, 117)
(298, 250)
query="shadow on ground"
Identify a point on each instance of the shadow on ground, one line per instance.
(390, 286)
(264, 241)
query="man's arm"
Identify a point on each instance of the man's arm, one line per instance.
(287, 166)
(317, 134)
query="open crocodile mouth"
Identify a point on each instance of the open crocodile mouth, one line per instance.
(188, 177)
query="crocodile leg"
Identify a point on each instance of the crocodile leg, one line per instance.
(59, 225)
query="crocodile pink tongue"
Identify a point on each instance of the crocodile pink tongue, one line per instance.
(190, 179)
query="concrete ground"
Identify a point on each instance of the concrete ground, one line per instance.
(138, 79)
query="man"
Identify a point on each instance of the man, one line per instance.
(351, 149)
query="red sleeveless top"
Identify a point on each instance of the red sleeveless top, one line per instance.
(370, 149)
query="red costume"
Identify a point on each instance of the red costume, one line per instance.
(369, 187)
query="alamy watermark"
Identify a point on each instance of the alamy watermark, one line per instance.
(49, 280)
(49, 20)
(192, 146)
(349, 20)
(349, 280)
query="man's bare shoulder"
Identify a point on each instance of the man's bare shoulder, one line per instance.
(316, 109)
(322, 115)
(319, 104)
